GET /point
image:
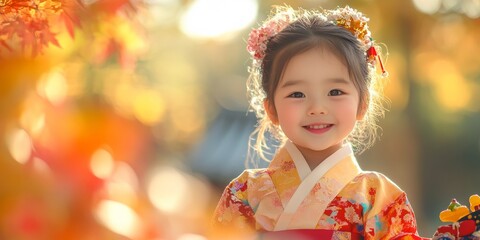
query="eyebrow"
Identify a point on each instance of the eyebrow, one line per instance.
(289, 83)
(296, 82)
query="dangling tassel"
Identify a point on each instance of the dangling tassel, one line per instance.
(371, 55)
(384, 72)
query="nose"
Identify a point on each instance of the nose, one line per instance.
(317, 107)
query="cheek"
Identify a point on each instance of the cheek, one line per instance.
(347, 110)
(287, 113)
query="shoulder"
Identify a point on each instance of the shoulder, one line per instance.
(250, 175)
(247, 179)
(234, 207)
(380, 191)
(379, 185)
(373, 188)
(376, 179)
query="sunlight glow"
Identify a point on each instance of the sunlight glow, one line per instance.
(167, 189)
(170, 191)
(471, 9)
(215, 18)
(161, 12)
(20, 145)
(122, 184)
(148, 106)
(124, 173)
(452, 90)
(121, 191)
(118, 217)
(427, 6)
(101, 163)
(53, 87)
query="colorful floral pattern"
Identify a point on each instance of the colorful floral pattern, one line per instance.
(235, 200)
(346, 17)
(370, 205)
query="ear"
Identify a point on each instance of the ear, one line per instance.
(271, 111)
(362, 110)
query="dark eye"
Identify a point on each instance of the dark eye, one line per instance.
(335, 92)
(296, 95)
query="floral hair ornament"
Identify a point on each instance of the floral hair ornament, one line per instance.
(258, 38)
(346, 17)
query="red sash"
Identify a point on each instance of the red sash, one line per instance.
(315, 234)
(303, 234)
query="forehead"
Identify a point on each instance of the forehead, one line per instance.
(315, 63)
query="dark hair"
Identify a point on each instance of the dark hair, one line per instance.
(307, 33)
(310, 31)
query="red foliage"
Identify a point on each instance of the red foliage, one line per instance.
(27, 24)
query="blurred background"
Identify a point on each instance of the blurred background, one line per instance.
(125, 119)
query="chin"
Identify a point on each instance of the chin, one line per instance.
(317, 148)
(324, 148)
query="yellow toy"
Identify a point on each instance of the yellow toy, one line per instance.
(454, 212)
(474, 203)
(465, 225)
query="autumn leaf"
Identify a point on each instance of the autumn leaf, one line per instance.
(27, 24)
(30, 26)
(70, 15)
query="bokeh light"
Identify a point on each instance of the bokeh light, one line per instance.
(428, 6)
(148, 106)
(122, 184)
(20, 145)
(102, 163)
(190, 236)
(119, 218)
(470, 8)
(215, 18)
(451, 89)
(167, 189)
(53, 87)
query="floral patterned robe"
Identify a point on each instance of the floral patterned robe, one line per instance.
(337, 198)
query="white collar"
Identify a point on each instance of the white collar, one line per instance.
(302, 166)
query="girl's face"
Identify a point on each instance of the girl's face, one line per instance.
(315, 102)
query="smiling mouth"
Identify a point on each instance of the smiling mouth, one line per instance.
(318, 128)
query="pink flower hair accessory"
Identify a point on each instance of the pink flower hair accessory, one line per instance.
(258, 38)
(346, 17)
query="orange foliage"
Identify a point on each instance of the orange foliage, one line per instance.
(27, 24)
(32, 25)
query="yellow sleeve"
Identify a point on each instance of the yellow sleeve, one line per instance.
(391, 215)
(233, 209)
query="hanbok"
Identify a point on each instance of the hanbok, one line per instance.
(336, 200)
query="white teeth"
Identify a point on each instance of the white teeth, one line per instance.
(318, 126)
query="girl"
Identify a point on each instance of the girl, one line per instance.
(312, 86)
